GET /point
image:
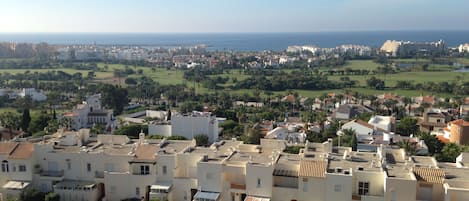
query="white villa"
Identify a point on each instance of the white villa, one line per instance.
(90, 112)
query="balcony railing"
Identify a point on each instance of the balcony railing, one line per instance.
(52, 173)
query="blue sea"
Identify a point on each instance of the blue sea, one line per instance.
(240, 41)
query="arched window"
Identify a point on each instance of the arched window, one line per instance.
(5, 167)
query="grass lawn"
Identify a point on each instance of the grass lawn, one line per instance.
(165, 76)
(464, 61)
(420, 60)
(415, 77)
(361, 65)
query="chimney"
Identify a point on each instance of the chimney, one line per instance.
(141, 137)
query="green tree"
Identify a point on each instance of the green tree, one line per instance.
(407, 126)
(132, 130)
(176, 137)
(114, 97)
(293, 149)
(434, 145)
(97, 129)
(449, 153)
(253, 136)
(354, 142)
(52, 196)
(375, 83)
(407, 146)
(201, 140)
(10, 120)
(25, 120)
(39, 122)
(31, 194)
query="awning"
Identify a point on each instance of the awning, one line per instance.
(74, 185)
(16, 185)
(161, 186)
(252, 198)
(206, 195)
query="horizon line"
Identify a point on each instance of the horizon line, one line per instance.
(247, 32)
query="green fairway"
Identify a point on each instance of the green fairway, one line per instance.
(165, 76)
(361, 65)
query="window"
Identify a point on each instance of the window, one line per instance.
(258, 182)
(363, 188)
(164, 169)
(337, 188)
(22, 168)
(393, 195)
(69, 164)
(144, 169)
(305, 184)
(88, 167)
(137, 191)
(5, 167)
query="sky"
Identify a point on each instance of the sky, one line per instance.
(213, 16)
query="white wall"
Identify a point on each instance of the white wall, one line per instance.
(311, 186)
(376, 180)
(157, 129)
(400, 189)
(189, 126)
(264, 173)
(362, 132)
(209, 176)
(345, 184)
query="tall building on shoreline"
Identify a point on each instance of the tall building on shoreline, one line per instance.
(408, 49)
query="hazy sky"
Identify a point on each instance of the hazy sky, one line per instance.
(231, 15)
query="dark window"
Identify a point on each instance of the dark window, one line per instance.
(363, 188)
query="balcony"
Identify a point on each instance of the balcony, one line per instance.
(160, 191)
(367, 197)
(238, 186)
(56, 175)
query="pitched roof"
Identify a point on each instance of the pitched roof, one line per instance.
(22, 151)
(430, 175)
(310, 168)
(7, 147)
(460, 122)
(358, 121)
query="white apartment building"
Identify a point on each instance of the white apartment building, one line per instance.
(111, 167)
(463, 47)
(188, 125)
(33, 93)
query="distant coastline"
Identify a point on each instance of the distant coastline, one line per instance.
(240, 41)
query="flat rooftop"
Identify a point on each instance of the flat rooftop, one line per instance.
(263, 158)
(354, 160)
(424, 161)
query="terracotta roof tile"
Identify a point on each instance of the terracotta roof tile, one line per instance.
(7, 147)
(460, 122)
(22, 151)
(442, 138)
(430, 175)
(309, 168)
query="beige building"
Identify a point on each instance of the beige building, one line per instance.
(111, 167)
